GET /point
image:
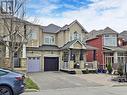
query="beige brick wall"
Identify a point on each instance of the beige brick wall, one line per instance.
(34, 42)
(64, 37)
(43, 54)
(60, 39)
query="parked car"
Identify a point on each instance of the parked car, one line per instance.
(11, 82)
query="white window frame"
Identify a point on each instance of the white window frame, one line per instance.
(76, 36)
(33, 35)
(50, 38)
(110, 40)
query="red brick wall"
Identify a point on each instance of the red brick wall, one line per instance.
(97, 42)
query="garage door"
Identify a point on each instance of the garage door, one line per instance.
(33, 64)
(51, 63)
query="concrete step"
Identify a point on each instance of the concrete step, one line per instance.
(78, 71)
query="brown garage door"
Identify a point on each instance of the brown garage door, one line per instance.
(51, 63)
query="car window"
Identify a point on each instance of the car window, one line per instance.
(2, 73)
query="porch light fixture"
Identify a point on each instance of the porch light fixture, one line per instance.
(86, 65)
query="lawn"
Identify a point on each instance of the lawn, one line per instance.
(30, 84)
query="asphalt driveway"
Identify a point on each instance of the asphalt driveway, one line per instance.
(58, 83)
(59, 80)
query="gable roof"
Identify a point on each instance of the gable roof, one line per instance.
(51, 28)
(94, 33)
(123, 35)
(65, 27)
(69, 44)
(108, 30)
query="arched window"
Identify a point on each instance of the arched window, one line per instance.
(75, 35)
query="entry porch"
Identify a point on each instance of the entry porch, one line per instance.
(115, 56)
(73, 56)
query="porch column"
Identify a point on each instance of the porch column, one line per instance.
(24, 51)
(71, 60)
(23, 58)
(82, 59)
(115, 57)
(7, 59)
(94, 55)
(7, 50)
(84, 56)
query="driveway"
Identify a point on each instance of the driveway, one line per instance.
(59, 80)
(58, 83)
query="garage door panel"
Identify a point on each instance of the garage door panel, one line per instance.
(33, 64)
(51, 63)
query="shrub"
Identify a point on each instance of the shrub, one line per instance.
(120, 70)
(109, 68)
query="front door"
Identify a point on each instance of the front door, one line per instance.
(16, 60)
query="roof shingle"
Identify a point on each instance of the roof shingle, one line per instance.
(51, 28)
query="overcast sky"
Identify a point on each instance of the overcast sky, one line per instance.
(92, 14)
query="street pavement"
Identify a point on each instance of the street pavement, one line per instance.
(58, 83)
(104, 90)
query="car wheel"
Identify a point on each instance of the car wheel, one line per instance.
(4, 90)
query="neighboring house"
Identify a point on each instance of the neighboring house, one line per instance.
(108, 49)
(122, 38)
(59, 48)
(22, 33)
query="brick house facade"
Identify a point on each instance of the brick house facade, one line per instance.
(109, 51)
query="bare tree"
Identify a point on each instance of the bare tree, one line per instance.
(15, 27)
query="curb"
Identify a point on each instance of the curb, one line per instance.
(119, 85)
(31, 90)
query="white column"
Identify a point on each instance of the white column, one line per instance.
(7, 50)
(115, 57)
(84, 56)
(24, 51)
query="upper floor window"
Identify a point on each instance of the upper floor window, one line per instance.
(49, 39)
(7, 7)
(76, 36)
(110, 40)
(33, 35)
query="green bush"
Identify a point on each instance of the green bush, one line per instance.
(109, 68)
(87, 71)
(120, 70)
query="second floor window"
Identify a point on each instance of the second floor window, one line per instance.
(33, 35)
(110, 40)
(76, 36)
(49, 39)
(7, 7)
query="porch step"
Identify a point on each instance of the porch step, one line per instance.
(78, 71)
